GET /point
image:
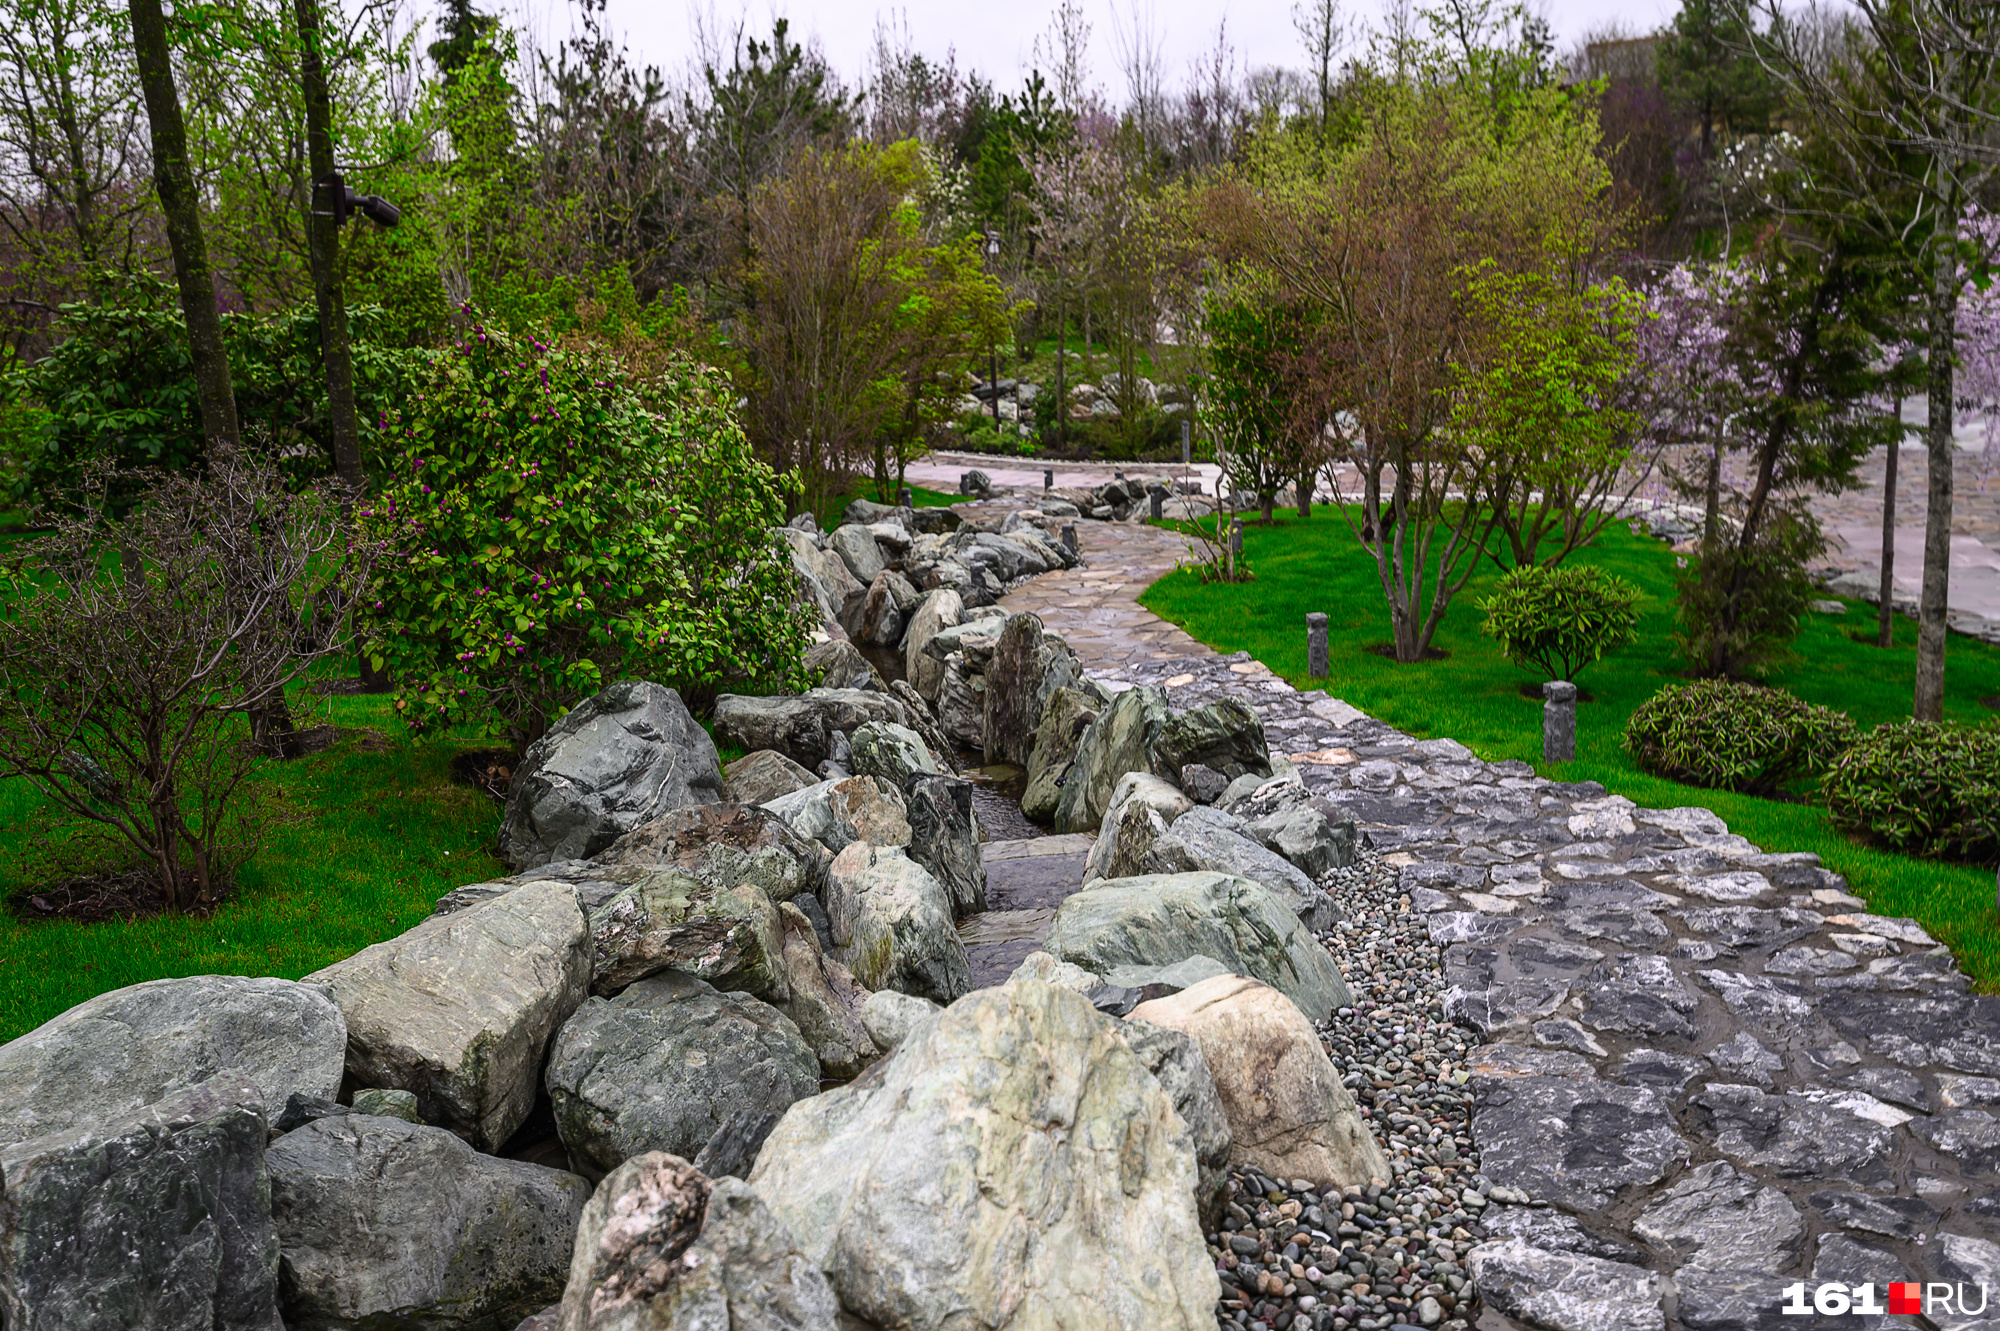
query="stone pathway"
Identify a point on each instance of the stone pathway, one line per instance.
(1707, 1073)
(1854, 523)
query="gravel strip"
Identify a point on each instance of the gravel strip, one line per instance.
(1390, 1255)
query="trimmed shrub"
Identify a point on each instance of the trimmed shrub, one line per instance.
(1734, 736)
(559, 527)
(1922, 788)
(1561, 619)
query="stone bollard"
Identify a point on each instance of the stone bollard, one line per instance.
(1317, 665)
(908, 498)
(1558, 721)
(1187, 441)
(1159, 497)
(1069, 537)
(1048, 478)
(1236, 536)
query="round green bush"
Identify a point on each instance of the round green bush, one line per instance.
(1922, 788)
(1734, 736)
(1561, 619)
(556, 526)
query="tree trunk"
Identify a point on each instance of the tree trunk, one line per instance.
(1305, 492)
(180, 207)
(1929, 691)
(1711, 522)
(1267, 502)
(1886, 613)
(323, 244)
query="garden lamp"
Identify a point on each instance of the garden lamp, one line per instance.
(992, 348)
(334, 198)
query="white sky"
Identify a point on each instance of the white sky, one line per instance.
(997, 39)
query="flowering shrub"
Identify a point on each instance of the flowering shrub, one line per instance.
(559, 526)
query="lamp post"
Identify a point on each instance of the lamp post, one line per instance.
(993, 348)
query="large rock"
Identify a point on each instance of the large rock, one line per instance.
(875, 619)
(1120, 740)
(617, 760)
(892, 924)
(823, 576)
(855, 545)
(1305, 837)
(1066, 714)
(723, 845)
(1565, 1291)
(459, 1010)
(665, 1064)
(944, 838)
(387, 1219)
(760, 777)
(894, 752)
(961, 703)
(838, 664)
(1289, 1116)
(840, 812)
(115, 1053)
(1225, 735)
(1012, 1165)
(1176, 1060)
(669, 920)
(801, 726)
(663, 1248)
(940, 609)
(159, 1218)
(1159, 920)
(1142, 808)
(825, 1002)
(1210, 839)
(1028, 665)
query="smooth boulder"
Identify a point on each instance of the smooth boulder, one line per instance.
(723, 845)
(459, 1010)
(895, 753)
(669, 920)
(115, 1053)
(856, 547)
(1157, 920)
(940, 609)
(158, 1218)
(760, 777)
(840, 665)
(387, 1219)
(1012, 1165)
(662, 1247)
(839, 812)
(1142, 808)
(892, 924)
(1289, 1116)
(665, 1064)
(1209, 839)
(1226, 736)
(618, 759)
(1177, 1061)
(1120, 740)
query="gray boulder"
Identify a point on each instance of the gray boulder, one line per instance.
(666, 1063)
(1225, 735)
(838, 664)
(459, 1010)
(961, 704)
(1175, 1059)
(1066, 714)
(1028, 665)
(974, 638)
(890, 1017)
(1305, 837)
(825, 1002)
(1209, 839)
(1122, 739)
(663, 1247)
(386, 1104)
(945, 837)
(939, 609)
(877, 618)
(159, 1218)
(892, 924)
(120, 1051)
(760, 777)
(618, 759)
(824, 579)
(840, 812)
(723, 845)
(1012, 1164)
(856, 548)
(386, 1219)
(669, 920)
(888, 750)
(919, 717)
(801, 726)
(1203, 784)
(1159, 920)
(1142, 808)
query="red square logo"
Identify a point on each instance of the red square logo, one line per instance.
(1906, 1296)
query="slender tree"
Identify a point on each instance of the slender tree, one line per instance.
(323, 220)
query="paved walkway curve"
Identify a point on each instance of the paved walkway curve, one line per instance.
(1708, 1074)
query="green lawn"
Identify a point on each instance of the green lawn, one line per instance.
(828, 512)
(1474, 696)
(370, 833)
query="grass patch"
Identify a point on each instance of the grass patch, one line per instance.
(828, 511)
(1474, 696)
(370, 833)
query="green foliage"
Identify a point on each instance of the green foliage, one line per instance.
(560, 527)
(1708, 66)
(1255, 338)
(1734, 736)
(1740, 607)
(120, 389)
(1923, 788)
(1561, 619)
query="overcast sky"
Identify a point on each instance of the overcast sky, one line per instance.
(997, 37)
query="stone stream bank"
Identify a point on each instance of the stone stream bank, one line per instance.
(1296, 1023)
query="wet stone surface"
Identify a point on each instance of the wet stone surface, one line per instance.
(1608, 1034)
